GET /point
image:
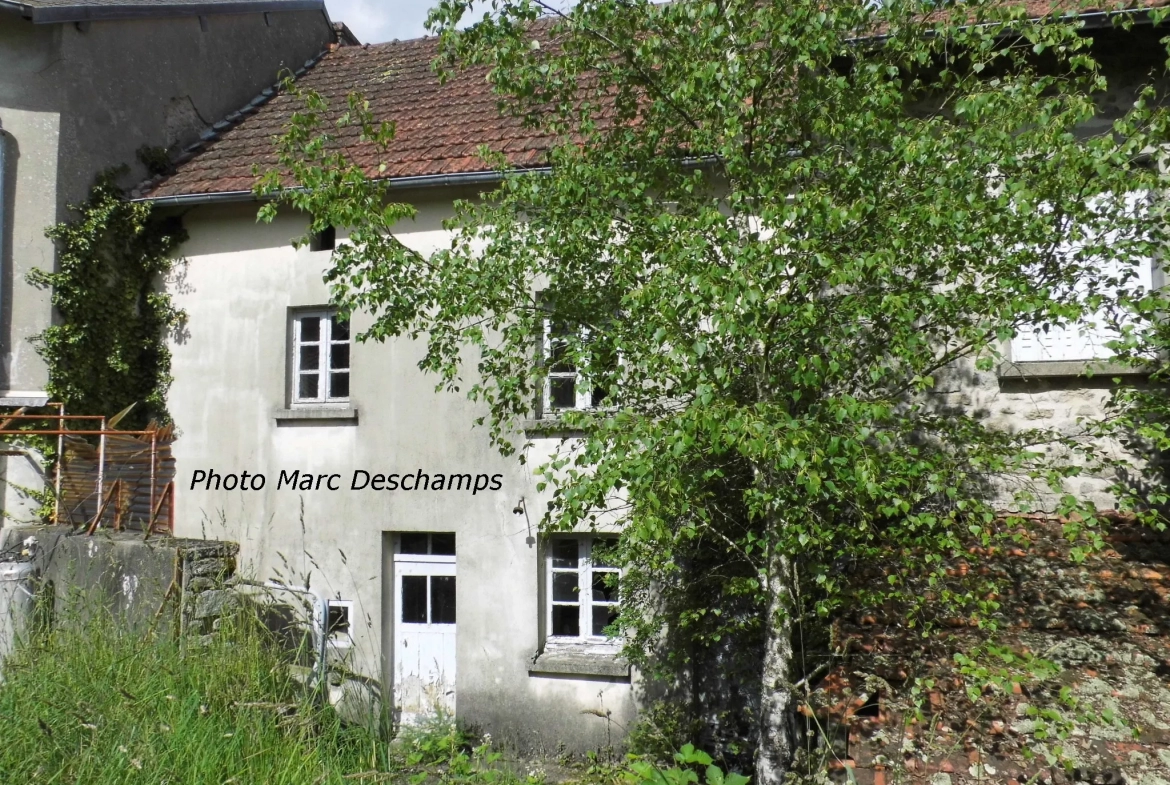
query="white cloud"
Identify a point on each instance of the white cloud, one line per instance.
(375, 21)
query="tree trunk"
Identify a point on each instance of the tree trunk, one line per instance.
(778, 732)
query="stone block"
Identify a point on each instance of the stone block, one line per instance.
(213, 567)
(215, 603)
(200, 584)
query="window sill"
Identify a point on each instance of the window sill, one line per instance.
(550, 427)
(299, 413)
(583, 659)
(23, 398)
(1050, 369)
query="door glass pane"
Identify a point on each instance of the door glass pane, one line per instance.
(339, 385)
(414, 599)
(443, 543)
(310, 358)
(442, 599)
(605, 586)
(311, 328)
(566, 620)
(564, 553)
(307, 387)
(603, 616)
(414, 542)
(564, 587)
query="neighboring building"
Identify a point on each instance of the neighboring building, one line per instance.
(84, 84)
(450, 597)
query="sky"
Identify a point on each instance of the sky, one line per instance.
(375, 21)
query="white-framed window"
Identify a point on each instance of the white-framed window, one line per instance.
(564, 387)
(1088, 338)
(339, 624)
(582, 589)
(320, 357)
(1084, 340)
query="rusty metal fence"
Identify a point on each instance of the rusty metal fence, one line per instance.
(104, 476)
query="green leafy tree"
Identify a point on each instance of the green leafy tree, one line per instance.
(107, 349)
(767, 231)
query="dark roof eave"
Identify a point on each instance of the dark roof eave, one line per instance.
(96, 13)
(1093, 20)
(418, 181)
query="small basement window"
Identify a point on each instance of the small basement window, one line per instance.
(339, 624)
(338, 618)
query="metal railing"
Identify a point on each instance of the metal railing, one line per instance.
(117, 491)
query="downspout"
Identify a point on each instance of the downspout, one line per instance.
(3, 210)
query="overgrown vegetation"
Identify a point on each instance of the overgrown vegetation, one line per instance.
(108, 348)
(93, 703)
(771, 235)
(98, 704)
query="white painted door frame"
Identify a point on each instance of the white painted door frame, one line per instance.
(424, 651)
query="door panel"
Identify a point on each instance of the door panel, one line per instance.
(424, 636)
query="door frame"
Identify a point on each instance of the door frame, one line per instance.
(394, 566)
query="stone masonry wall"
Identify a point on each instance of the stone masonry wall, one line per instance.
(144, 583)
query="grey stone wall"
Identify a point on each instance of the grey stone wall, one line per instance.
(143, 583)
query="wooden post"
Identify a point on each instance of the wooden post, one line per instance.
(102, 508)
(167, 494)
(60, 460)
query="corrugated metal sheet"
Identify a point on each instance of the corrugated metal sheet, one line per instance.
(128, 459)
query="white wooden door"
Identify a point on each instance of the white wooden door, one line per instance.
(424, 636)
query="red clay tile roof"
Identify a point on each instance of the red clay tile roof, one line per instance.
(439, 127)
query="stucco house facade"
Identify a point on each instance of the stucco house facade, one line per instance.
(454, 602)
(83, 86)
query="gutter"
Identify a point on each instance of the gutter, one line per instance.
(94, 13)
(1093, 20)
(485, 177)
(418, 181)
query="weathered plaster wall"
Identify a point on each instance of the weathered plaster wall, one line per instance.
(238, 284)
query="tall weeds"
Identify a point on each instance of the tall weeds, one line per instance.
(91, 703)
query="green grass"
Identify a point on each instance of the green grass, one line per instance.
(96, 705)
(92, 704)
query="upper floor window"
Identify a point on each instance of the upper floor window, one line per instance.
(1086, 339)
(582, 588)
(565, 387)
(320, 357)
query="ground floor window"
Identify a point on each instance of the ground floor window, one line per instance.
(582, 588)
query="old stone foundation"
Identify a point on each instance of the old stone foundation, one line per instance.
(157, 582)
